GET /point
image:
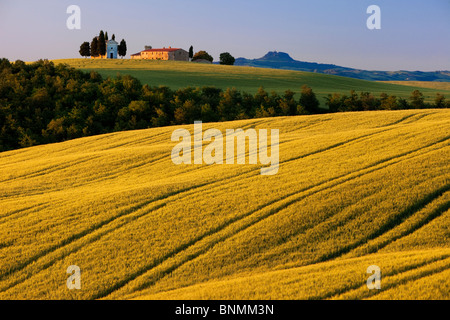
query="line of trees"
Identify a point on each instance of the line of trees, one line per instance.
(366, 101)
(225, 58)
(98, 47)
(43, 103)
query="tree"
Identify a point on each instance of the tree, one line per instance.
(335, 102)
(230, 104)
(352, 102)
(191, 52)
(202, 55)
(85, 49)
(368, 101)
(403, 104)
(227, 59)
(114, 37)
(417, 99)
(308, 100)
(288, 104)
(94, 47)
(122, 49)
(106, 36)
(101, 44)
(388, 102)
(439, 101)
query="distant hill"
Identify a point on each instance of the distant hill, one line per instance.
(282, 60)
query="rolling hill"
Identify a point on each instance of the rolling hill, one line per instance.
(282, 60)
(423, 84)
(175, 74)
(352, 190)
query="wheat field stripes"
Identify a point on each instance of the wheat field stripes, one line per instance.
(427, 219)
(240, 229)
(139, 198)
(149, 162)
(393, 223)
(417, 272)
(331, 280)
(414, 267)
(77, 236)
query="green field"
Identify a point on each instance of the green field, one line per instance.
(352, 190)
(176, 74)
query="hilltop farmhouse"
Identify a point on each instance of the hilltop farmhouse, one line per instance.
(169, 53)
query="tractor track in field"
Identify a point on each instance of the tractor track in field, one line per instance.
(336, 293)
(392, 223)
(436, 213)
(54, 168)
(125, 213)
(413, 267)
(121, 284)
(187, 190)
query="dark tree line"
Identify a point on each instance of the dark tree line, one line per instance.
(225, 58)
(43, 103)
(365, 101)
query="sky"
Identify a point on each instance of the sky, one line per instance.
(414, 34)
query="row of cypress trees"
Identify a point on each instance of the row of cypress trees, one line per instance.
(97, 47)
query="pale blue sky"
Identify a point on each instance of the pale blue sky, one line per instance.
(415, 34)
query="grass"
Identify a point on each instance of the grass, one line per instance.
(445, 86)
(177, 74)
(353, 190)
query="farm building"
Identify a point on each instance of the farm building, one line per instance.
(169, 53)
(111, 50)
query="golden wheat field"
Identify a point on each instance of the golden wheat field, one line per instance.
(352, 190)
(422, 84)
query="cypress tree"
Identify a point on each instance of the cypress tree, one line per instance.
(122, 49)
(94, 47)
(101, 44)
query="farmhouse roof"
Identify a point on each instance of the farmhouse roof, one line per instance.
(162, 50)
